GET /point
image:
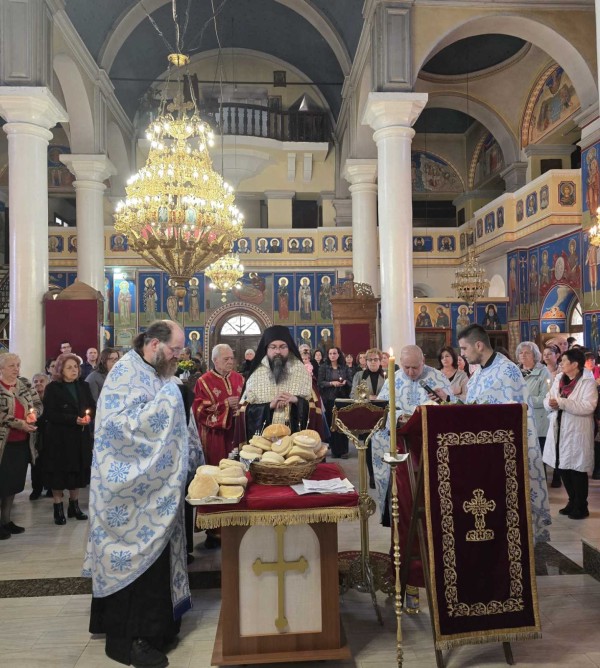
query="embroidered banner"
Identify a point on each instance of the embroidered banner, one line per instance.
(480, 544)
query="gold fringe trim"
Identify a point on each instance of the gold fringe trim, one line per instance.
(480, 638)
(275, 517)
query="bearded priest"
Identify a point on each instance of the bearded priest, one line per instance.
(278, 388)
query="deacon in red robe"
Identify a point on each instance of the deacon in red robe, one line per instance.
(216, 404)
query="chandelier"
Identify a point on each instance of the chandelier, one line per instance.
(224, 274)
(179, 214)
(470, 282)
(594, 232)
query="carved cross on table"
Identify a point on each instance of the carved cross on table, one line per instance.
(479, 507)
(281, 566)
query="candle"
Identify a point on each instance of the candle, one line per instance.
(391, 374)
(87, 416)
(31, 416)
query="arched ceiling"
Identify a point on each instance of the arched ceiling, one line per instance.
(318, 37)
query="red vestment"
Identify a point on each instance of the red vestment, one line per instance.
(214, 417)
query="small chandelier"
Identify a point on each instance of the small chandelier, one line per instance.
(224, 274)
(179, 214)
(470, 282)
(594, 232)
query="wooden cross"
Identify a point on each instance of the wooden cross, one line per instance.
(479, 507)
(281, 566)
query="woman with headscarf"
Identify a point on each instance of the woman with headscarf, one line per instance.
(20, 407)
(69, 409)
(570, 441)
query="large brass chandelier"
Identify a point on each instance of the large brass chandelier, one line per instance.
(225, 273)
(470, 282)
(179, 214)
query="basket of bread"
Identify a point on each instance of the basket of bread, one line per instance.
(278, 457)
(218, 484)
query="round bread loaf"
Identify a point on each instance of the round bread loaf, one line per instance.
(322, 450)
(231, 491)
(307, 454)
(294, 459)
(311, 433)
(306, 441)
(207, 469)
(203, 486)
(275, 431)
(260, 442)
(272, 458)
(229, 479)
(283, 445)
(230, 464)
(251, 449)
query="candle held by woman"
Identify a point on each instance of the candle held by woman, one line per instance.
(391, 374)
(31, 417)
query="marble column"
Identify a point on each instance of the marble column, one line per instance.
(362, 174)
(29, 112)
(392, 116)
(90, 172)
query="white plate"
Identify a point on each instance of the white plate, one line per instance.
(213, 501)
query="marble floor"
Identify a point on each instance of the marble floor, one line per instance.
(50, 631)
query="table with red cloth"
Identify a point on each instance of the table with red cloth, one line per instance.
(277, 528)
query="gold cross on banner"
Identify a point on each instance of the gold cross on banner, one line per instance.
(281, 566)
(479, 507)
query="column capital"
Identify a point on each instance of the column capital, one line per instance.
(280, 194)
(360, 171)
(31, 104)
(362, 187)
(548, 149)
(384, 110)
(343, 212)
(86, 167)
(515, 176)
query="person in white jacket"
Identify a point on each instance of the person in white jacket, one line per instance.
(570, 440)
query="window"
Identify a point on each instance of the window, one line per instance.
(240, 325)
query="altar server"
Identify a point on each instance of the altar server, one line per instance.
(499, 381)
(145, 444)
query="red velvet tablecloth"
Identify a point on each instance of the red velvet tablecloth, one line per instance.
(279, 504)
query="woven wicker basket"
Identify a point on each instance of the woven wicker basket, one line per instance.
(272, 474)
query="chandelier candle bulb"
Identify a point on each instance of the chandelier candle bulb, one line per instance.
(391, 374)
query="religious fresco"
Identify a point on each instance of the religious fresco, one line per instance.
(463, 241)
(58, 279)
(325, 338)
(432, 315)
(525, 331)
(347, 243)
(591, 330)
(271, 245)
(487, 160)
(490, 222)
(330, 244)
(125, 303)
(492, 316)
(150, 302)
(590, 180)
(107, 315)
(306, 295)
(118, 243)
(324, 283)
(430, 173)
(470, 237)
(72, 243)
(300, 245)
(500, 216)
(109, 337)
(447, 243)
(591, 255)
(567, 193)
(534, 284)
(305, 335)
(544, 197)
(422, 244)
(59, 177)
(551, 102)
(55, 244)
(531, 206)
(479, 227)
(523, 263)
(519, 210)
(194, 340)
(284, 299)
(242, 246)
(513, 286)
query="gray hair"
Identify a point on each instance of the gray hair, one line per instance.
(8, 357)
(412, 350)
(250, 350)
(218, 349)
(532, 348)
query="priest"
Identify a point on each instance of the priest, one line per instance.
(278, 388)
(499, 381)
(415, 384)
(145, 445)
(217, 397)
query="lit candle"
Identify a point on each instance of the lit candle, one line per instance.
(31, 416)
(391, 374)
(87, 416)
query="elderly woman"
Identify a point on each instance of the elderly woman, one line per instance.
(570, 442)
(538, 381)
(39, 382)
(108, 358)
(448, 365)
(20, 407)
(69, 408)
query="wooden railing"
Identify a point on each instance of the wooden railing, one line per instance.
(251, 120)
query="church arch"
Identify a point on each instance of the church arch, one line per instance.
(130, 20)
(117, 153)
(543, 36)
(497, 286)
(217, 320)
(81, 119)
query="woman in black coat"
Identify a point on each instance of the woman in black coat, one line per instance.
(69, 409)
(335, 381)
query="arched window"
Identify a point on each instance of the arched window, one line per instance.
(575, 327)
(240, 325)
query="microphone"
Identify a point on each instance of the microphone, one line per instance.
(428, 389)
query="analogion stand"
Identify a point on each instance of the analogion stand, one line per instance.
(280, 594)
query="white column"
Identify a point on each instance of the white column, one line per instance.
(362, 174)
(392, 115)
(29, 112)
(90, 173)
